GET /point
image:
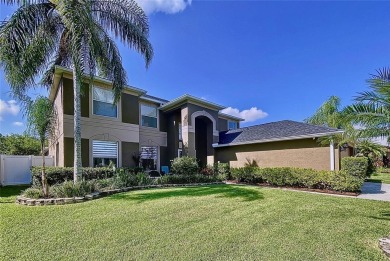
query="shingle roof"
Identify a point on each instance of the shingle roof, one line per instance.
(273, 131)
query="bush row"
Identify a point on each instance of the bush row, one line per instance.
(307, 178)
(122, 179)
(57, 175)
(350, 178)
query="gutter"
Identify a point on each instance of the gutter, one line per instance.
(61, 69)
(299, 137)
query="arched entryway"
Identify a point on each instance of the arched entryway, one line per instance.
(203, 139)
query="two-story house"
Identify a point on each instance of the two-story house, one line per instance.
(158, 131)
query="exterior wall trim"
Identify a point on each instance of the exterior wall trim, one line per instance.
(206, 114)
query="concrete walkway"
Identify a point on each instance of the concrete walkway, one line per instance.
(375, 191)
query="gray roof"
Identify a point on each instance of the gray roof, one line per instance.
(273, 131)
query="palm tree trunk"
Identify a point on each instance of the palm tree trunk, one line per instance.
(45, 186)
(77, 128)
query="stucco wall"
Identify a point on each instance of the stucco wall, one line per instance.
(58, 132)
(305, 153)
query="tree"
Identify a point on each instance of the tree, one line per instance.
(16, 144)
(330, 114)
(72, 33)
(41, 119)
(372, 108)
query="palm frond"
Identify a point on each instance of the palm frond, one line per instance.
(128, 23)
(22, 2)
(108, 59)
(27, 41)
(328, 114)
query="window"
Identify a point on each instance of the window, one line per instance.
(103, 103)
(149, 158)
(232, 125)
(104, 153)
(180, 132)
(149, 116)
(179, 153)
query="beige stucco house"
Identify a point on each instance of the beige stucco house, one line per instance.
(157, 131)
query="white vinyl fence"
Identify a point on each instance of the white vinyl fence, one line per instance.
(15, 170)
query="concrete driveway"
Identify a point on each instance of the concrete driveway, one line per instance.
(375, 191)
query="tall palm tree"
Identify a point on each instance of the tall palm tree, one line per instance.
(72, 33)
(372, 108)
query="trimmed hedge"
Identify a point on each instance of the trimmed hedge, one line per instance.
(297, 177)
(56, 175)
(355, 166)
(187, 179)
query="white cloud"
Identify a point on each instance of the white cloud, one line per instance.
(18, 123)
(250, 115)
(165, 6)
(8, 107)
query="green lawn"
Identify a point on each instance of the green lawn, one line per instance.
(221, 222)
(380, 178)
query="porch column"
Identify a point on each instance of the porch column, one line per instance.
(188, 134)
(331, 147)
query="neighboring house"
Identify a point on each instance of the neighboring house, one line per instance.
(158, 131)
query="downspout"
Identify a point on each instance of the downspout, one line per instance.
(331, 147)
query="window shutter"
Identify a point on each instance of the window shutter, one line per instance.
(104, 149)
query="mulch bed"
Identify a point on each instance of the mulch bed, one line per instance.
(325, 191)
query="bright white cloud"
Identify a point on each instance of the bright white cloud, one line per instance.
(165, 6)
(18, 123)
(250, 115)
(8, 107)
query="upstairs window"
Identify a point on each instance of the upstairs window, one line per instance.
(232, 125)
(148, 116)
(103, 103)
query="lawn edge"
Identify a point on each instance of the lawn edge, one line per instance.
(21, 200)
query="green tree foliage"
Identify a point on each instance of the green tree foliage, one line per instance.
(16, 144)
(372, 108)
(75, 34)
(41, 119)
(331, 115)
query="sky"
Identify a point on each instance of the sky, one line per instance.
(264, 60)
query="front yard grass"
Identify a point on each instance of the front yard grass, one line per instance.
(220, 222)
(380, 178)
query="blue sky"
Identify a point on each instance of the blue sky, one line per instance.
(283, 58)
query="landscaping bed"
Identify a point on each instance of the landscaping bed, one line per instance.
(70, 200)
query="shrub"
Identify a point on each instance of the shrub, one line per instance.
(124, 178)
(343, 181)
(185, 166)
(355, 166)
(57, 175)
(208, 170)
(245, 174)
(68, 189)
(188, 179)
(33, 193)
(222, 170)
(297, 177)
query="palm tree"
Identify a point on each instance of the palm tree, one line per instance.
(372, 108)
(329, 114)
(72, 33)
(41, 118)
